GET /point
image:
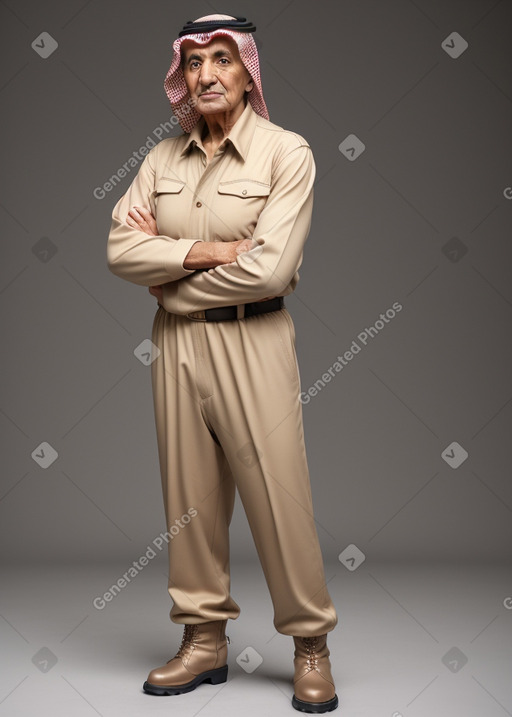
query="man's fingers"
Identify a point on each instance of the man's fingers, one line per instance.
(143, 219)
(137, 214)
(142, 211)
(136, 217)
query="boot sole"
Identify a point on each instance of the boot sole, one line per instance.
(214, 677)
(315, 707)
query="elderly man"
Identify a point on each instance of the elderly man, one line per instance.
(214, 224)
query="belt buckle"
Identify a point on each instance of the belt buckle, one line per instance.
(196, 318)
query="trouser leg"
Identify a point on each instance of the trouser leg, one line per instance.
(197, 484)
(257, 417)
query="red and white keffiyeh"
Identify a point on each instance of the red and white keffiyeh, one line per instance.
(176, 87)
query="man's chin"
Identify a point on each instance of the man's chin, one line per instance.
(207, 108)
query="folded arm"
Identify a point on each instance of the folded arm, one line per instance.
(134, 255)
(266, 270)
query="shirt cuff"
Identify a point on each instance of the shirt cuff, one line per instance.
(177, 254)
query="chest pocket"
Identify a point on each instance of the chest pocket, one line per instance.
(164, 186)
(166, 202)
(239, 203)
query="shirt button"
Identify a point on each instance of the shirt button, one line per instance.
(244, 191)
(198, 204)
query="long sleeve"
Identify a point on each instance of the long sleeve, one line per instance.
(136, 256)
(269, 270)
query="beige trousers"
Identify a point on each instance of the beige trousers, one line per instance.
(228, 416)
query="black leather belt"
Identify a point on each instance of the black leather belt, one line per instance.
(228, 313)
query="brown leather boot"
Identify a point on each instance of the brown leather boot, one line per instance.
(313, 682)
(201, 658)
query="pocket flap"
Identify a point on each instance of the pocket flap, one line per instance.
(244, 188)
(165, 185)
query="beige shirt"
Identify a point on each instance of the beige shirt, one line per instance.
(259, 185)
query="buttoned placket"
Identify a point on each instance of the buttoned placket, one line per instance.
(198, 202)
(199, 327)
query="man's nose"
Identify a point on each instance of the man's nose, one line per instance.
(207, 74)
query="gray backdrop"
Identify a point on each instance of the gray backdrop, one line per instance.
(420, 217)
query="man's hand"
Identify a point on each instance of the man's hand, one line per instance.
(141, 218)
(208, 255)
(158, 292)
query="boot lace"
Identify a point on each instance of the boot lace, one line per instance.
(311, 643)
(188, 641)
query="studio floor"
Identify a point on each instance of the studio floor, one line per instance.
(411, 641)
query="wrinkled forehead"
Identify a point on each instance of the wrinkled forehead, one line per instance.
(189, 46)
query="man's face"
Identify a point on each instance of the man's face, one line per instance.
(215, 75)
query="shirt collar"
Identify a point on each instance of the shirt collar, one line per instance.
(240, 135)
